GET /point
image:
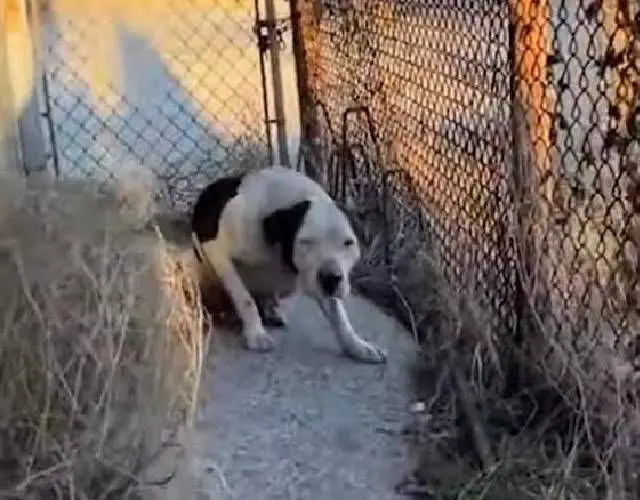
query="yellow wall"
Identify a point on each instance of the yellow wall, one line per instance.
(16, 75)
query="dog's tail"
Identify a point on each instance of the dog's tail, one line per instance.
(197, 247)
(201, 255)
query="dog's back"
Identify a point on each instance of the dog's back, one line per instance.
(260, 193)
(276, 187)
(235, 207)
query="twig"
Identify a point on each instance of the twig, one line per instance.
(43, 473)
(481, 441)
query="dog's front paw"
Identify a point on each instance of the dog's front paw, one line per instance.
(258, 340)
(367, 353)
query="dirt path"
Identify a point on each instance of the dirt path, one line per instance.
(304, 422)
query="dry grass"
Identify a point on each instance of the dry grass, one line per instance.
(555, 417)
(101, 341)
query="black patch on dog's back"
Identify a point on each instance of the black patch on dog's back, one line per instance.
(205, 217)
(282, 226)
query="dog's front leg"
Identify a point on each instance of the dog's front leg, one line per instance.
(350, 342)
(253, 331)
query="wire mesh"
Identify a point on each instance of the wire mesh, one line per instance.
(434, 77)
(516, 125)
(175, 86)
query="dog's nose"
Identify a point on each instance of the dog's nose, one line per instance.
(329, 281)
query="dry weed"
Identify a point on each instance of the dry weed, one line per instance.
(101, 342)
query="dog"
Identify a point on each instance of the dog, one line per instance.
(273, 233)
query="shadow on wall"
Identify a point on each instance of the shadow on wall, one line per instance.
(142, 113)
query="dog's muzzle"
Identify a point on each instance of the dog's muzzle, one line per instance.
(329, 279)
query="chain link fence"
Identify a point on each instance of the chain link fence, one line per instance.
(434, 78)
(176, 86)
(512, 130)
(577, 144)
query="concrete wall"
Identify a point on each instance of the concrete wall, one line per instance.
(19, 70)
(8, 144)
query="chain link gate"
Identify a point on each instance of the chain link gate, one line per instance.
(180, 87)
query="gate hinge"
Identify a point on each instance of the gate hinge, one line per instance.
(261, 30)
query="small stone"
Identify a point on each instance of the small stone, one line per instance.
(418, 407)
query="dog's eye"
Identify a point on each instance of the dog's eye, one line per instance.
(306, 241)
(349, 242)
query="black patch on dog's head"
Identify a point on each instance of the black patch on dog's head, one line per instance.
(281, 228)
(205, 217)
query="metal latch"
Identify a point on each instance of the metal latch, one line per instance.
(261, 30)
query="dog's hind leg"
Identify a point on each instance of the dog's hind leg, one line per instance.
(255, 336)
(350, 342)
(269, 309)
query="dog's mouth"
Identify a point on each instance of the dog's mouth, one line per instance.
(339, 293)
(316, 291)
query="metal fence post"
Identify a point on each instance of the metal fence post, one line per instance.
(276, 80)
(308, 125)
(531, 47)
(519, 235)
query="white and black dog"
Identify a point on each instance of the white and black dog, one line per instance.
(276, 232)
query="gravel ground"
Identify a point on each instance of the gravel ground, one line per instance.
(305, 422)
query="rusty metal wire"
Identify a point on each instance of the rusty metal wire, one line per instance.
(176, 87)
(514, 124)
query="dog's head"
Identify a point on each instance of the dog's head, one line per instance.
(318, 243)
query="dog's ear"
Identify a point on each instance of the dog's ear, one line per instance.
(282, 226)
